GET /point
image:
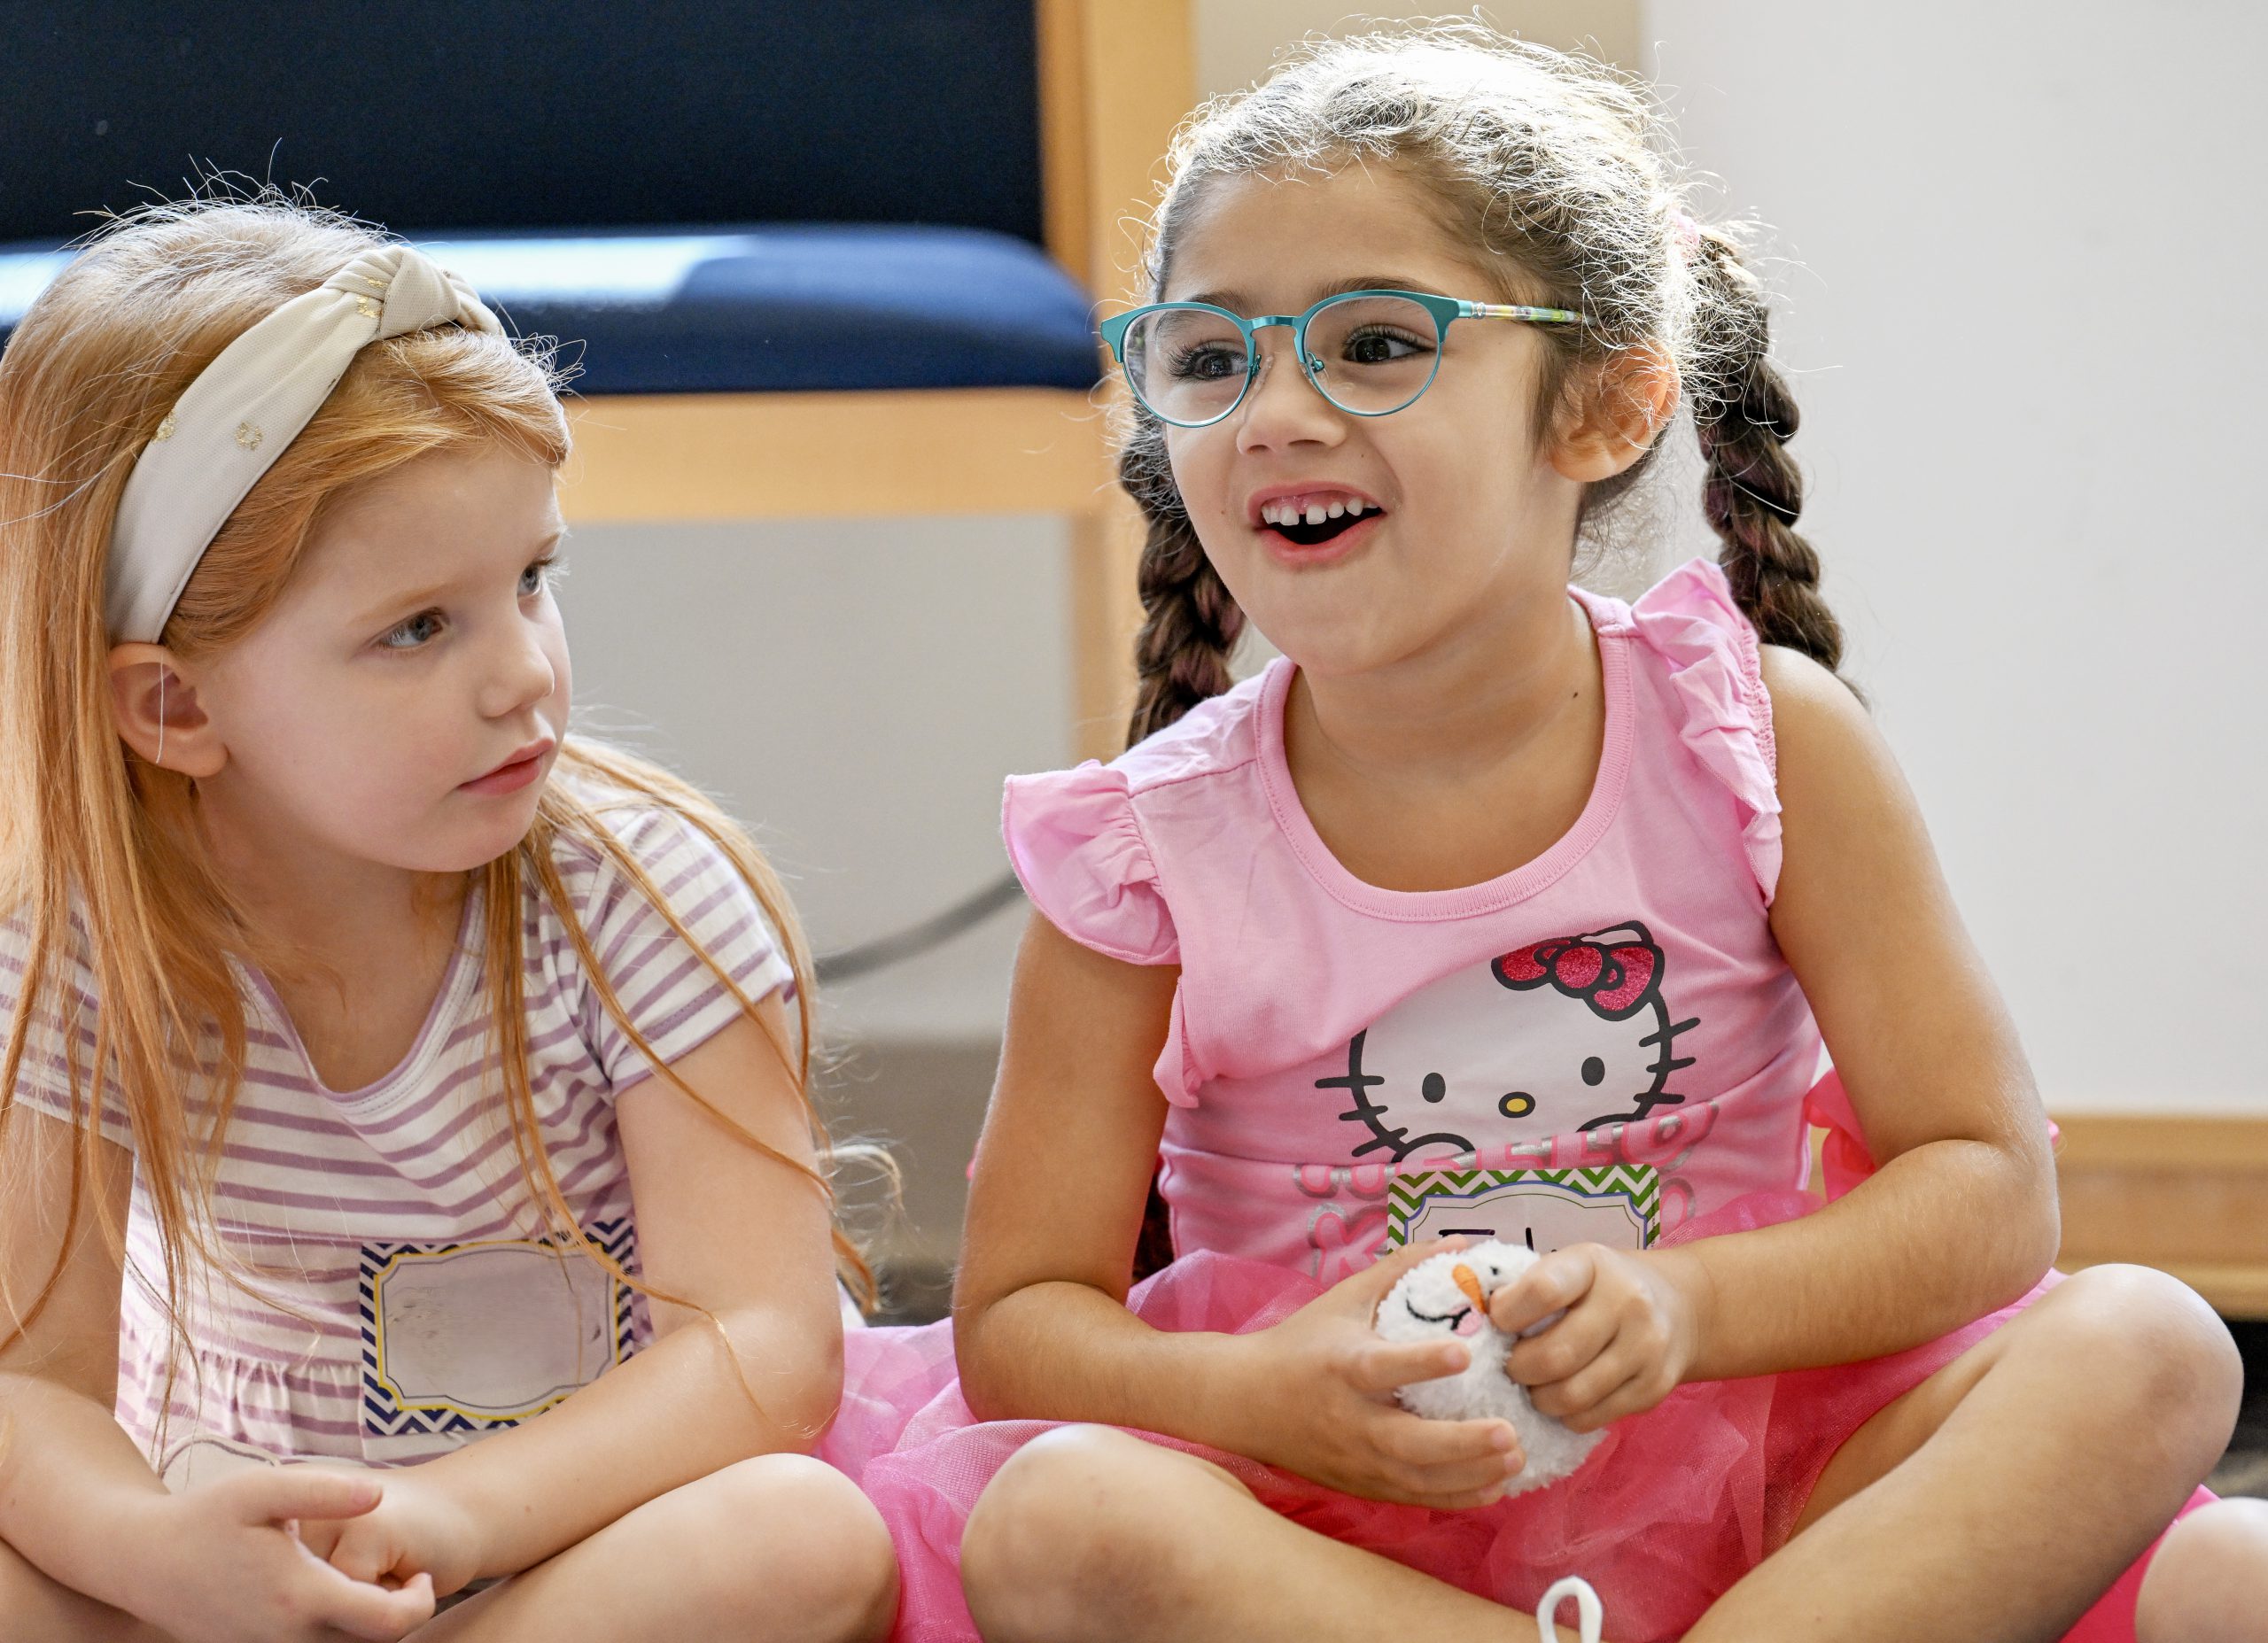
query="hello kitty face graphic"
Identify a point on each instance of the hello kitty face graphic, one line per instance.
(1562, 1035)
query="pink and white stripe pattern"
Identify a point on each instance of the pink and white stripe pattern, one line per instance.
(311, 1177)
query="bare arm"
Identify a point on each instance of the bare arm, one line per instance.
(1959, 1219)
(77, 1499)
(1040, 1328)
(728, 1228)
(1962, 1216)
(68, 1472)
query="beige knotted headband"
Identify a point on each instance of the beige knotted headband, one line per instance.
(230, 424)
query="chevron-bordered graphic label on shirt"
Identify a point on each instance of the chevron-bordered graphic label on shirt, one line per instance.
(469, 1337)
(1542, 1209)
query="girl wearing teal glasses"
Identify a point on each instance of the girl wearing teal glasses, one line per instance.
(1495, 909)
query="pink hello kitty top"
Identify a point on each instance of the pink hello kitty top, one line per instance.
(1597, 1047)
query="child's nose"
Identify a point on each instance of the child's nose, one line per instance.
(522, 677)
(1283, 407)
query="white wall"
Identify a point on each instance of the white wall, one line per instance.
(856, 689)
(2025, 303)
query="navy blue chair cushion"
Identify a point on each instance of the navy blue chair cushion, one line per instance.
(759, 309)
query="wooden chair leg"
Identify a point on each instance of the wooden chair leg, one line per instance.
(1106, 614)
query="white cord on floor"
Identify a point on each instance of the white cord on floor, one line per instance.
(1590, 1617)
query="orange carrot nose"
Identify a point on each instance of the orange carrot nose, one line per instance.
(1469, 1282)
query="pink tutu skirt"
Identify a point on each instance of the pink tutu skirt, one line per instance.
(1668, 1512)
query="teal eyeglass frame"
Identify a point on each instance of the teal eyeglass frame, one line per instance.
(1445, 310)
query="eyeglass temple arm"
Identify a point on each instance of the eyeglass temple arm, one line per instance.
(1521, 311)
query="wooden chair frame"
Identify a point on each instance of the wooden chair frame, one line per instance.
(1115, 77)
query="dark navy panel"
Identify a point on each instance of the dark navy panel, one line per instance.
(436, 114)
(760, 308)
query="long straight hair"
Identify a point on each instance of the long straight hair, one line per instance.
(102, 859)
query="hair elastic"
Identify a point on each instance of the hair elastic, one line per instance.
(231, 423)
(1591, 1614)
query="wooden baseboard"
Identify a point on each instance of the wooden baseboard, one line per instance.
(2187, 1195)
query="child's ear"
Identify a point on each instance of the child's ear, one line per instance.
(158, 713)
(1613, 414)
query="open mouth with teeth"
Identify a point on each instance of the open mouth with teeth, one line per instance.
(1312, 520)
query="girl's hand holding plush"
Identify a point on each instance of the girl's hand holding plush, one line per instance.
(1633, 1327)
(1446, 1299)
(1318, 1392)
(419, 1530)
(222, 1565)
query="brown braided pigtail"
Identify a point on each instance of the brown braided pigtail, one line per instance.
(1180, 657)
(1190, 623)
(1753, 490)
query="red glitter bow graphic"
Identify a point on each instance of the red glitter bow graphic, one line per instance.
(1615, 975)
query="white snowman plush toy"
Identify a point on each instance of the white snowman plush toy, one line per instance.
(1448, 1295)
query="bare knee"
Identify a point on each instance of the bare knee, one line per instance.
(2155, 1353)
(1078, 1514)
(2209, 1582)
(793, 1549)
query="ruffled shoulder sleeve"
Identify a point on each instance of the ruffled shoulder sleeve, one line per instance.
(1708, 649)
(665, 985)
(54, 1076)
(1076, 845)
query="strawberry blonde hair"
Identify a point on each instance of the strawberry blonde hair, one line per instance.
(100, 854)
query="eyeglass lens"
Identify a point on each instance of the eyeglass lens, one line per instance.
(1368, 354)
